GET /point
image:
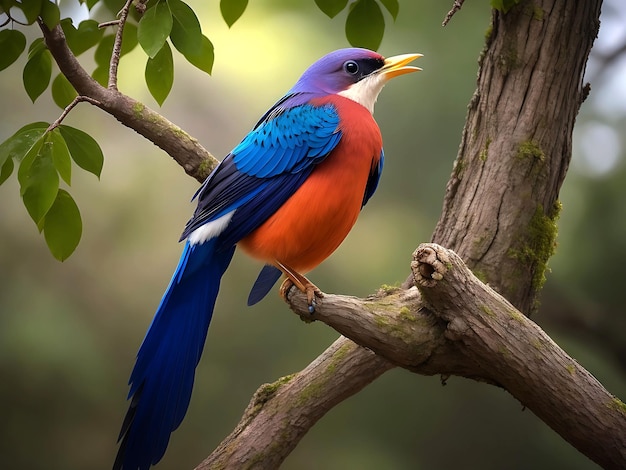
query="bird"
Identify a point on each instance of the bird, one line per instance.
(287, 195)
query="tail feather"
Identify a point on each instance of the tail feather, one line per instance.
(163, 376)
(264, 283)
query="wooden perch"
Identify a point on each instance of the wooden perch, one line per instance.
(457, 326)
(509, 349)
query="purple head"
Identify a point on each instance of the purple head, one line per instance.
(338, 70)
(356, 73)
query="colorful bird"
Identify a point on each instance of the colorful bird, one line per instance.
(288, 195)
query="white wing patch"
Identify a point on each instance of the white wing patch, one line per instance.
(210, 229)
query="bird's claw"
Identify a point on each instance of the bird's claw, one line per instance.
(311, 290)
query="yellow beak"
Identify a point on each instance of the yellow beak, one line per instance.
(396, 65)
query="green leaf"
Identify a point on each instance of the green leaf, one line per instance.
(6, 170)
(101, 75)
(365, 24)
(50, 14)
(104, 50)
(6, 5)
(31, 9)
(186, 33)
(12, 44)
(84, 150)
(204, 60)
(85, 37)
(61, 156)
(232, 10)
(105, 47)
(19, 144)
(37, 72)
(129, 40)
(35, 47)
(392, 6)
(27, 160)
(331, 7)
(63, 92)
(63, 226)
(160, 74)
(40, 182)
(154, 28)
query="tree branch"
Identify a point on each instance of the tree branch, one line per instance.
(515, 353)
(69, 107)
(117, 45)
(501, 202)
(280, 414)
(461, 326)
(186, 150)
(458, 4)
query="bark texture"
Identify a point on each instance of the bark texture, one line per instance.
(501, 203)
(457, 326)
(281, 413)
(510, 350)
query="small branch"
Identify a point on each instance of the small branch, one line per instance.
(117, 45)
(183, 148)
(106, 24)
(66, 111)
(393, 324)
(455, 7)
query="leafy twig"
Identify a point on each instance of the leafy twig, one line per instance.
(69, 107)
(106, 24)
(183, 148)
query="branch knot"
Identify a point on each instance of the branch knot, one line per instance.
(430, 264)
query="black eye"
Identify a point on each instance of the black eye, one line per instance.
(351, 67)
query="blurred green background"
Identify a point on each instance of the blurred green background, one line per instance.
(69, 331)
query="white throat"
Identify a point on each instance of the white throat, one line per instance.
(365, 92)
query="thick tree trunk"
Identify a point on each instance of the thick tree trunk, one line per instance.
(501, 204)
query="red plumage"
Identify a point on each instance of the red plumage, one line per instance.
(318, 217)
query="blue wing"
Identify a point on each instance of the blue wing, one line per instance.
(372, 181)
(266, 168)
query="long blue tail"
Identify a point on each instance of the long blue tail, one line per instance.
(162, 379)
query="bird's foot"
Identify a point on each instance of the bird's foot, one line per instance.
(311, 291)
(303, 284)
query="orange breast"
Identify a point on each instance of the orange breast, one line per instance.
(319, 215)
